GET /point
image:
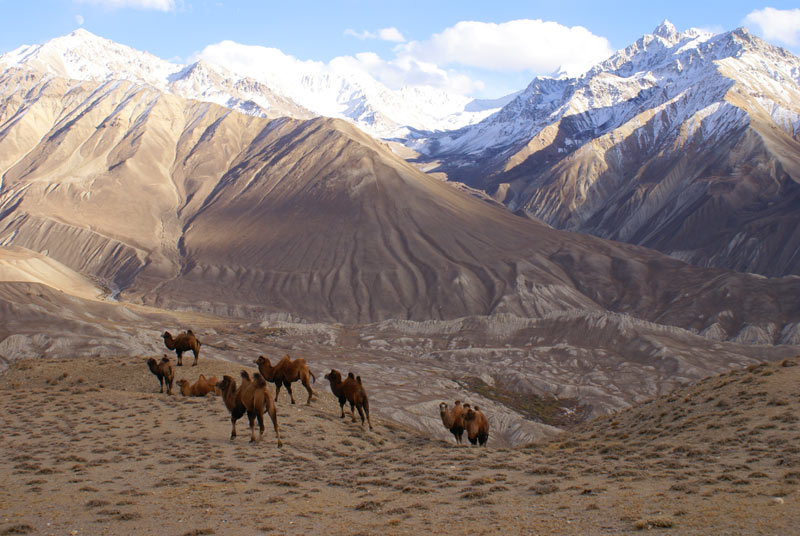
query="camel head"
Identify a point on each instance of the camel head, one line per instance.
(442, 408)
(226, 382)
(263, 361)
(334, 376)
(469, 414)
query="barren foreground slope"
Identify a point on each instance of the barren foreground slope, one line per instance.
(90, 447)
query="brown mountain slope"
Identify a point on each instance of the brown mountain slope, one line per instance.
(111, 454)
(182, 204)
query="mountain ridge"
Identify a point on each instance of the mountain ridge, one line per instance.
(682, 142)
(297, 89)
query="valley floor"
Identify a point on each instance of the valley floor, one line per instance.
(89, 446)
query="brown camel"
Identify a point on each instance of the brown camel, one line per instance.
(285, 372)
(163, 371)
(182, 343)
(453, 419)
(477, 425)
(251, 398)
(201, 387)
(351, 390)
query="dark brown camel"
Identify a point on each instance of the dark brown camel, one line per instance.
(251, 398)
(350, 390)
(182, 343)
(163, 371)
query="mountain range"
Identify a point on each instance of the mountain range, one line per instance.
(268, 84)
(688, 143)
(684, 142)
(138, 191)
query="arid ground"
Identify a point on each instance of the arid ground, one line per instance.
(89, 446)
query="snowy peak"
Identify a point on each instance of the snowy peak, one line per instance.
(82, 55)
(258, 81)
(667, 31)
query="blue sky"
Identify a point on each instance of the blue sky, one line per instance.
(400, 42)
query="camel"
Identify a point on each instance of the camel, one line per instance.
(163, 371)
(182, 343)
(453, 419)
(477, 425)
(201, 387)
(251, 398)
(285, 372)
(351, 390)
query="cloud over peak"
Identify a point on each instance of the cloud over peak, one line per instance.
(518, 45)
(782, 25)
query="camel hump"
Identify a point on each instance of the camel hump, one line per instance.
(259, 380)
(358, 379)
(351, 375)
(190, 332)
(245, 375)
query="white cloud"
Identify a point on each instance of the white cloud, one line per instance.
(391, 34)
(384, 34)
(520, 45)
(360, 35)
(79, 20)
(405, 71)
(158, 5)
(782, 25)
(467, 58)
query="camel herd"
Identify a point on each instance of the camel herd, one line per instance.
(252, 397)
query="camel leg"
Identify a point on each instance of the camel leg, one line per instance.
(252, 418)
(169, 387)
(260, 416)
(310, 391)
(161, 381)
(233, 429)
(277, 390)
(353, 411)
(273, 414)
(180, 357)
(369, 422)
(195, 358)
(361, 414)
(288, 386)
(341, 405)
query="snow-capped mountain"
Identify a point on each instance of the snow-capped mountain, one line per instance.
(684, 141)
(258, 81)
